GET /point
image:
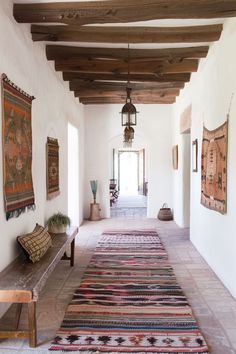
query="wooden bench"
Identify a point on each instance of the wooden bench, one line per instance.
(22, 281)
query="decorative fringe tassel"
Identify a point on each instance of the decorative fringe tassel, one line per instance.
(16, 213)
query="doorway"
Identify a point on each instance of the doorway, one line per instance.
(129, 177)
(73, 174)
(128, 173)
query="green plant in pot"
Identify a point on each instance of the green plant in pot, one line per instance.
(58, 223)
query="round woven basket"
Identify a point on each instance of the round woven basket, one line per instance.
(165, 213)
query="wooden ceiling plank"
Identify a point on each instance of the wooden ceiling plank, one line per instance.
(83, 85)
(71, 62)
(122, 93)
(122, 11)
(144, 78)
(115, 100)
(111, 66)
(122, 90)
(55, 52)
(112, 101)
(127, 34)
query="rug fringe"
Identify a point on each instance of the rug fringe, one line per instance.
(16, 213)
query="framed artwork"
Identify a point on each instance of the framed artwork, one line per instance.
(17, 150)
(175, 157)
(195, 155)
(214, 168)
(52, 151)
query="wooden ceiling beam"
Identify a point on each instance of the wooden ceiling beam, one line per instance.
(127, 34)
(81, 85)
(122, 11)
(100, 75)
(76, 85)
(118, 67)
(56, 52)
(122, 93)
(121, 100)
(144, 78)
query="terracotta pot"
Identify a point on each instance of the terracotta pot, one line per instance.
(57, 229)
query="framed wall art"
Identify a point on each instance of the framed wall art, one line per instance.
(195, 155)
(52, 151)
(175, 157)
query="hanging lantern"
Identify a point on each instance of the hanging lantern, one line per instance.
(128, 136)
(128, 112)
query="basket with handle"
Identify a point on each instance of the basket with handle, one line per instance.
(165, 213)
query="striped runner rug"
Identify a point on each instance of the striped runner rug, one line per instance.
(129, 302)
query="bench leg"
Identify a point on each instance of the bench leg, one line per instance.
(32, 324)
(70, 258)
(18, 314)
(72, 254)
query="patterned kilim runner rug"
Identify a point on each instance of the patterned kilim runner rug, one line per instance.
(129, 302)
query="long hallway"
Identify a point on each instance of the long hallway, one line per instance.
(213, 306)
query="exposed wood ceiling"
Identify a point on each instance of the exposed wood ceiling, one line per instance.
(126, 34)
(98, 72)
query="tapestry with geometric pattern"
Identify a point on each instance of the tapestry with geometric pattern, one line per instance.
(17, 149)
(214, 168)
(52, 168)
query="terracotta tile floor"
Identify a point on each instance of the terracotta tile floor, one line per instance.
(213, 306)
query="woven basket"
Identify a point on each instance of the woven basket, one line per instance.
(165, 213)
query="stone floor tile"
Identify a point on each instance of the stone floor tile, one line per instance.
(35, 351)
(223, 350)
(231, 333)
(12, 344)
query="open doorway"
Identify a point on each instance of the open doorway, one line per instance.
(129, 196)
(128, 173)
(73, 174)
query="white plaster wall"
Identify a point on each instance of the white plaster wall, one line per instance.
(210, 92)
(103, 132)
(26, 65)
(186, 154)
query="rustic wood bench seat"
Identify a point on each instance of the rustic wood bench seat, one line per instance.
(22, 281)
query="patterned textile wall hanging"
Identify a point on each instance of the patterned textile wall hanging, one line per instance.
(52, 168)
(17, 149)
(214, 168)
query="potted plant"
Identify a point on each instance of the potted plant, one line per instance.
(58, 223)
